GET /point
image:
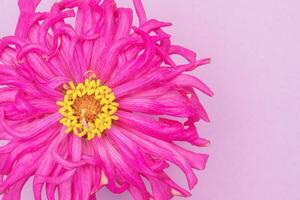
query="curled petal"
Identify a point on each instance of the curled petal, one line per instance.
(170, 152)
(192, 82)
(31, 131)
(140, 11)
(65, 163)
(55, 180)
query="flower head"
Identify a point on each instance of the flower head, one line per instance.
(96, 103)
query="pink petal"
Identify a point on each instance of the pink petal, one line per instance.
(140, 11)
(192, 82)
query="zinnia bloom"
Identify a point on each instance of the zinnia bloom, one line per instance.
(96, 102)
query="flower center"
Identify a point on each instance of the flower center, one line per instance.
(88, 108)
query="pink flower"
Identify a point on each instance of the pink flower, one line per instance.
(96, 103)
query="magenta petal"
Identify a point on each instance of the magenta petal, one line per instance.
(14, 192)
(171, 103)
(65, 190)
(83, 183)
(164, 129)
(65, 163)
(161, 191)
(140, 11)
(57, 180)
(24, 169)
(30, 131)
(27, 8)
(172, 153)
(125, 17)
(191, 81)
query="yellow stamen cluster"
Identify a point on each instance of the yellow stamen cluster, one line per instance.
(88, 108)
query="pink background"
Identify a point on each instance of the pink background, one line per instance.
(255, 46)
